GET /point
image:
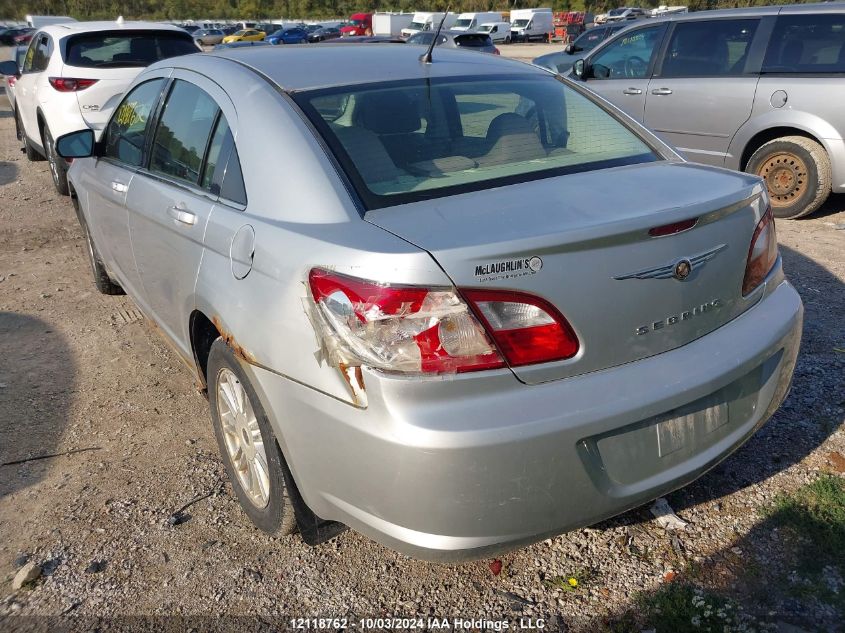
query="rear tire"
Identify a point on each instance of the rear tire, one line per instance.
(797, 174)
(266, 501)
(508, 39)
(58, 166)
(102, 280)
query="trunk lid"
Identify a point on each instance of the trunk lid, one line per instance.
(581, 242)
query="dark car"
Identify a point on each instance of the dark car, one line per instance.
(290, 35)
(323, 33)
(479, 42)
(221, 47)
(561, 62)
(9, 37)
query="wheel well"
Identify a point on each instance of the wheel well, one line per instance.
(203, 334)
(761, 138)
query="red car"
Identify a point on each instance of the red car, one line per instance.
(359, 24)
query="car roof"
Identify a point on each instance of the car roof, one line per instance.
(310, 67)
(818, 7)
(72, 28)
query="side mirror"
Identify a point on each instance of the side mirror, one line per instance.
(10, 68)
(569, 49)
(580, 69)
(76, 144)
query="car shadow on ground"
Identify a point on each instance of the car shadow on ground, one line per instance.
(8, 172)
(37, 378)
(806, 418)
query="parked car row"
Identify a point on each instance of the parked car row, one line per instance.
(758, 90)
(446, 269)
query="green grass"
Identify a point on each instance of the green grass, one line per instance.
(815, 518)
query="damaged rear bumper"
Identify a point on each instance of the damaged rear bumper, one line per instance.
(466, 466)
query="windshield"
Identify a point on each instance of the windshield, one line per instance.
(357, 22)
(418, 26)
(421, 38)
(617, 11)
(126, 48)
(407, 141)
(520, 23)
(463, 23)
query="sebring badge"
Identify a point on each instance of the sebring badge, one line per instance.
(679, 269)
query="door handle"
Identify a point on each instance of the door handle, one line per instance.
(661, 91)
(119, 187)
(632, 91)
(182, 215)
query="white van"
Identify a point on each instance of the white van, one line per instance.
(499, 32)
(426, 21)
(471, 21)
(532, 24)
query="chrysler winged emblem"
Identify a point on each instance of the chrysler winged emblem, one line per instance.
(679, 269)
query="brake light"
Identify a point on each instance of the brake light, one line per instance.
(10, 81)
(671, 229)
(496, 51)
(67, 84)
(525, 328)
(762, 254)
(406, 329)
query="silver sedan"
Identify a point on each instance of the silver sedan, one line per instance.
(487, 308)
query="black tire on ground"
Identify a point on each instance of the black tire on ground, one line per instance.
(797, 173)
(58, 165)
(508, 39)
(102, 280)
(278, 517)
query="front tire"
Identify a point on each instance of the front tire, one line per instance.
(58, 166)
(251, 455)
(797, 174)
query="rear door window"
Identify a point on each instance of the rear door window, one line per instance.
(807, 44)
(38, 56)
(125, 134)
(116, 49)
(716, 48)
(183, 132)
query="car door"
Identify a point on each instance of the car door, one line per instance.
(122, 154)
(26, 88)
(620, 70)
(703, 89)
(171, 201)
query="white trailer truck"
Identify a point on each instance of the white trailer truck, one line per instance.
(391, 23)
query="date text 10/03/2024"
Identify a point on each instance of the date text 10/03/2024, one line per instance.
(406, 624)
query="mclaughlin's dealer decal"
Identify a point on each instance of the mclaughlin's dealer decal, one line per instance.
(508, 269)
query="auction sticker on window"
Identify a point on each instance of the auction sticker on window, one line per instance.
(508, 268)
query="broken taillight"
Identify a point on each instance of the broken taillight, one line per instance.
(415, 329)
(762, 254)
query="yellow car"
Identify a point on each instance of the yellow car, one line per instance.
(247, 35)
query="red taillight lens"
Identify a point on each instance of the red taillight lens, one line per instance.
(66, 84)
(525, 328)
(10, 81)
(762, 254)
(496, 51)
(405, 329)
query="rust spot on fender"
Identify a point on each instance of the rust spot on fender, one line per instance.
(239, 351)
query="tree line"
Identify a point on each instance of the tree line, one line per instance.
(281, 9)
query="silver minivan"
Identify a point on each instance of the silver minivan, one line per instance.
(758, 90)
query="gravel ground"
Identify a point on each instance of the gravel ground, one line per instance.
(83, 372)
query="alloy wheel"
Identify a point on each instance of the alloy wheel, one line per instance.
(243, 438)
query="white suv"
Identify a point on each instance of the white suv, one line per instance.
(74, 74)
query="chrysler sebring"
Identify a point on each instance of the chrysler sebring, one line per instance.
(487, 308)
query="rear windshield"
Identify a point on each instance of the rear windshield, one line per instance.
(116, 49)
(406, 141)
(477, 40)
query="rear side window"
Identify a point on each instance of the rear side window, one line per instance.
(38, 55)
(708, 48)
(116, 49)
(407, 141)
(183, 133)
(125, 134)
(473, 40)
(222, 173)
(807, 44)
